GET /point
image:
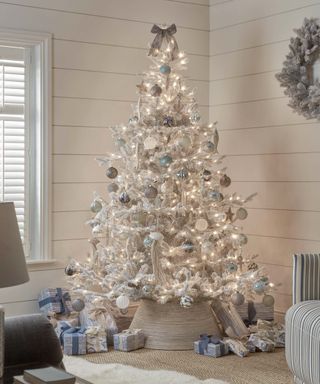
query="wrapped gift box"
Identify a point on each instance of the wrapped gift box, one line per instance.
(74, 341)
(96, 340)
(63, 325)
(99, 316)
(251, 312)
(129, 340)
(262, 343)
(210, 346)
(237, 347)
(56, 300)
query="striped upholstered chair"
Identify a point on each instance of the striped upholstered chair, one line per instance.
(303, 321)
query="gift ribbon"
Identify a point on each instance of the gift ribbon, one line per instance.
(74, 332)
(164, 33)
(60, 298)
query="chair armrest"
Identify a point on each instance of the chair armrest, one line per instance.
(306, 277)
(31, 339)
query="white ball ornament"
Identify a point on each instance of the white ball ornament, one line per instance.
(122, 302)
(156, 236)
(150, 143)
(201, 225)
(241, 214)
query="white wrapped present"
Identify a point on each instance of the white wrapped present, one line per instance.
(129, 340)
(96, 339)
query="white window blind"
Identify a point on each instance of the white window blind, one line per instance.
(13, 134)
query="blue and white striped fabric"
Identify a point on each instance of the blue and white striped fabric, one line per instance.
(306, 277)
(303, 321)
(303, 341)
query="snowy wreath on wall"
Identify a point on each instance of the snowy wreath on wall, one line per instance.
(297, 73)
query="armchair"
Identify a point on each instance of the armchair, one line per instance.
(30, 342)
(303, 321)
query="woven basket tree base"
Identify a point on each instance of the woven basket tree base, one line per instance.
(171, 327)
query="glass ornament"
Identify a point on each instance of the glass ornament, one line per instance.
(209, 146)
(184, 142)
(147, 289)
(242, 214)
(183, 174)
(124, 198)
(123, 302)
(95, 206)
(150, 143)
(215, 195)
(268, 300)
(155, 90)
(259, 287)
(232, 267)
(187, 246)
(242, 238)
(201, 224)
(69, 270)
(237, 298)
(168, 121)
(219, 217)
(165, 69)
(206, 175)
(147, 241)
(195, 118)
(150, 192)
(165, 160)
(112, 172)
(186, 301)
(113, 187)
(225, 181)
(78, 305)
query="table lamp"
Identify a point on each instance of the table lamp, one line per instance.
(13, 268)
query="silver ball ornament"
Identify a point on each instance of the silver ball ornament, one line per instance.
(237, 298)
(242, 238)
(259, 287)
(147, 241)
(151, 192)
(225, 181)
(209, 146)
(112, 172)
(95, 206)
(187, 246)
(124, 198)
(78, 305)
(206, 175)
(215, 195)
(69, 270)
(155, 90)
(195, 118)
(186, 301)
(183, 174)
(232, 267)
(113, 187)
(268, 300)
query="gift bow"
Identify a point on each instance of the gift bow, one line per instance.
(94, 331)
(94, 313)
(164, 33)
(63, 298)
(131, 331)
(67, 329)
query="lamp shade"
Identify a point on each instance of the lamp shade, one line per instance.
(13, 268)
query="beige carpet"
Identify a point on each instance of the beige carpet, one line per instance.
(258, 368)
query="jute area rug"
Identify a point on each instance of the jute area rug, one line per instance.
(258, 368)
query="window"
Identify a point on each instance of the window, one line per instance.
(25, 156)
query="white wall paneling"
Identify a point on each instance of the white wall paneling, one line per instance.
(99, 51)
(271, 150)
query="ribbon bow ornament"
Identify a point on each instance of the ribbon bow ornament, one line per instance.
(167, 34)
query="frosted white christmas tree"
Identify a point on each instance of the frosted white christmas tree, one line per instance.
(169, 230)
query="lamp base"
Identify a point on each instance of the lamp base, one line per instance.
(1, 341)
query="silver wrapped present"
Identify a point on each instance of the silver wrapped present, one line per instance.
(262, 343)
(96, 339)
(217, 349)
(237, 347)
(129, 340)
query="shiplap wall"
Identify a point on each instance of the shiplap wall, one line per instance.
(270, 149)
(99, 50)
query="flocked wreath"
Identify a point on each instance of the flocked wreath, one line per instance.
(297, 76)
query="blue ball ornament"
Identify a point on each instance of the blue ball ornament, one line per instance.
(165, 160)
(210, 147)
(165, 69)
(147, 241)
(259, 287)
(188, 246)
